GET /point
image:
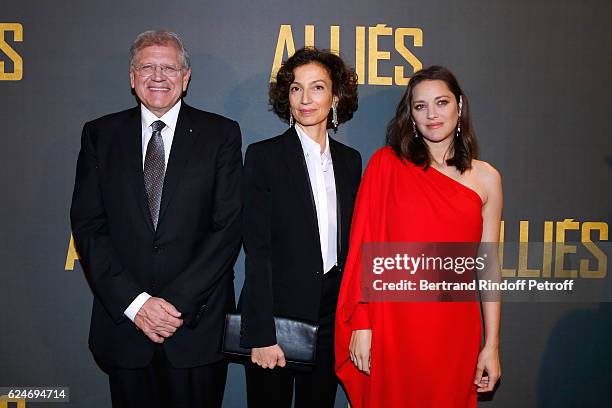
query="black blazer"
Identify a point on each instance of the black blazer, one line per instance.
(283, 256)
(188, 260)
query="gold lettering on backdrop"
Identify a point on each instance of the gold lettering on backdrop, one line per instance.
(547, 252)
(523, 255)
(14, 402)
(602, 259)
(506, 273)
(72, 255)
(400, 46)
(360, 54)
(309, 36)
(17, 30)
(285, 43)
(374, 55)
(597, 267)
(334, 39)
(561, 249)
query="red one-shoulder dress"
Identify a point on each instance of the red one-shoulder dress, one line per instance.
(423, 354)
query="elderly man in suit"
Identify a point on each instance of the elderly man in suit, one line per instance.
(156, 219)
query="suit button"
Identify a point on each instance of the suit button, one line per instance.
(157, 249)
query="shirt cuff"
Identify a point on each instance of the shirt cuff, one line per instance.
(361, 317)
(136, 304)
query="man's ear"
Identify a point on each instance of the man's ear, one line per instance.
(186, 78)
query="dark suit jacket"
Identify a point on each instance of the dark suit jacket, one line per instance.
(188, 260)
(283, 256)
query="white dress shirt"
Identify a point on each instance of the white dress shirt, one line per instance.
(169, 118)
(147, 118)
(323, 184)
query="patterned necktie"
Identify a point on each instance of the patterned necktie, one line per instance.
(154, 170)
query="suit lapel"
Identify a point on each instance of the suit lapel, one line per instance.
(296, 164)
(131, 140)
(341, 177)
(184, 137)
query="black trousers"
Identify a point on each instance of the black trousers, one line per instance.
(159, 385)
(317, 388)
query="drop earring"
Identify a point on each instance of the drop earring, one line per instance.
(414, 129)
(458, 128)
(335, 117)
(458, 134)
(290, 119)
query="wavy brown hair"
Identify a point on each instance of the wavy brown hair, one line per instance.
(400, 132)
(344, 83)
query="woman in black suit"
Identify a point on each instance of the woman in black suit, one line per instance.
(300, 188)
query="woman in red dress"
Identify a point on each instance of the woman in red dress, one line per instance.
(424, 186)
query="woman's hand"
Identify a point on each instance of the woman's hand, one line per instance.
(268, 357)
(361, 341)
(488, 360)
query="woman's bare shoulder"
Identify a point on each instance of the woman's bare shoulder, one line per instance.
(487, 175)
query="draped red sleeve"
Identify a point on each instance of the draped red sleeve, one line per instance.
(352, 313)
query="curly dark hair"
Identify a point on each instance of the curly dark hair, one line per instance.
(400, 132)
(344, 83)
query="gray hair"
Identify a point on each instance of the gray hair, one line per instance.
(159, 37)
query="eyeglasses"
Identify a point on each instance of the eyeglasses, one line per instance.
(150, 69)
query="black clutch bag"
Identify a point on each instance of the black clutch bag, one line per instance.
(297, 339)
